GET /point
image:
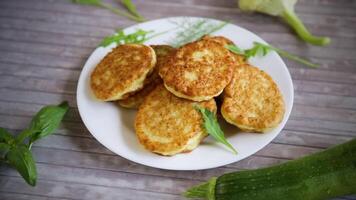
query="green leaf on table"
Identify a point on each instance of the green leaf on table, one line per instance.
(4, 148)
(131, 8)
(211, 125)
(21, 159)
(6, 137)
(88, 2)
(101, 4)
(47, 120)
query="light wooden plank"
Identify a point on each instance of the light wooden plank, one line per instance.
(328, 114)
(41, 59)
(50, 86)
(249, 23)
(322, 75)
(110, 179)
(47, 49)
(321, 126)
(75, 191)
(53, 73)
(49, 37)
(18, 196)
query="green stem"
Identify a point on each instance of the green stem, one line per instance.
(122, 13)
(293, 20)
(293, 57)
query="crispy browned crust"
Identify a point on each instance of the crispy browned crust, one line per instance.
(122, 71)
(165, 123)
(252, 100)
(198, 71)
(239, 59)
(135, 99)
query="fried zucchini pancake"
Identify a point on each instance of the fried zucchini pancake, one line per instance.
(136, 98)
(198, 71)
(239, 59)
(122, 71)
(167, 125)
(252, 100)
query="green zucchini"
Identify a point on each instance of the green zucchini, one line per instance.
(323, 175)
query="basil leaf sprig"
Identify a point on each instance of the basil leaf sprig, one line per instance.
(16, 151)
(138, 37)
(212, 126)
(127, 3)
(263, 49)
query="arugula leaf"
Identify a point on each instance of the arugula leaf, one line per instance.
(101, 4)
(212, 126)
(47, 120)
(6, 137)
(21, 159)
(131, 8)
(235, 49)
(138, 37)
(257, 49)
(263, 49)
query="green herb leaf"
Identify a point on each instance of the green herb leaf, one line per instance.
(264, 49)
(4, 148)
(190, 30)
(99, 3)
(257, 49)
(131, 8)
(47, 120)
(6, 137)
(25, 134)
(235, 49)
(138, 37)
(21, 159)
(212, 126)
(88, 2)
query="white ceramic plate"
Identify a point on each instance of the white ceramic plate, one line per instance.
(113, 126)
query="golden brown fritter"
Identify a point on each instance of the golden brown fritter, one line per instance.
(167, 125)
(122, 71)
(239, 59)
(136, 98)
(198, 71)
(252, 100)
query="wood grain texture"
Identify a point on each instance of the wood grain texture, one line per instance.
(44, 44)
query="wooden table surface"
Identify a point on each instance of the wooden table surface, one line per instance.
(44, 44)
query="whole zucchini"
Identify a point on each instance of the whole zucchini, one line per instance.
(323, 175)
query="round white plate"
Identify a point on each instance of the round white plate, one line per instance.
(113, 126)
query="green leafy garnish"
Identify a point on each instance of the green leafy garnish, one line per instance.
(263, 49)
(212, 127)
(191, 30)
(21, 159)
(285, 10)
(132, 8)
(138, 37)
(101, 4)
(15, 151)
